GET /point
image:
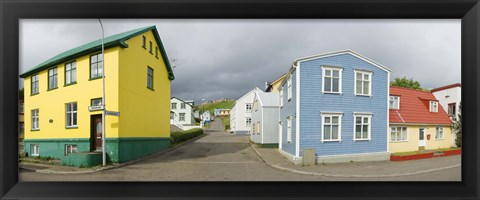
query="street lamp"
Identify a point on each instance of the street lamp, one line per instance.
(104, 156)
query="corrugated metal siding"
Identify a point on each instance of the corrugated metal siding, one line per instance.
(289, 109)
(313, 102)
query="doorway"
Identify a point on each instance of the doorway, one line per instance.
(421, 138)
(96, 132)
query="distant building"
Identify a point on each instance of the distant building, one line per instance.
(450, 97)
(241, 113)
(274, 85)
(221, 112)
(182, 111)
(206, 118)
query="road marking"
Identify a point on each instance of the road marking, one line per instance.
(212, 162)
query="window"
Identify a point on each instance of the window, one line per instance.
(70, 73)
(144, 42)
(398, 134)
(34, 87)
(156, 52)
(71, 118)
(248, 121)
(21, 108)
(289, 86)
(174, 106)
(52, 78)
(289, 129)
(70, 148)
(96, 102)
(281, 97)
(451, 109)
(182, 117)
(96, 66)
(363, 83)
(439, 133)
(257, 128)
(362, 127)
(150, 49)
(182, 105)
(332, 80)
(248, 107)
(394, 102)
(433, 106)
(34, 150)
(149, 78)
(35, 119)
(331, 127)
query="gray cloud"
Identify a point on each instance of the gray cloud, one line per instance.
(227, 58)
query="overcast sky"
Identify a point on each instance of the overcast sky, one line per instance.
(227, 58)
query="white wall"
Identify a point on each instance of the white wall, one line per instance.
(240, 113)
(447, 96)
(187, 110)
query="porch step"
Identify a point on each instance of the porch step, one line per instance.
(421, 148)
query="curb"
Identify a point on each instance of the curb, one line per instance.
(348, 176)
(46, 171)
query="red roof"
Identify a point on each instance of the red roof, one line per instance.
(447, 87)
(414, 108)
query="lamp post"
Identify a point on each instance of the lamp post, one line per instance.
(104, 156)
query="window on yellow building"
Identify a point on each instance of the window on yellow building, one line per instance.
(71, 117)
(150, 78)
(151, 50)
(439, 133)
(52, 78)
(70, 73)
(70, 148)
(96, 66)
(34, 87)
(398, 134)
(156, 52)
(35, 119)
(144, 42)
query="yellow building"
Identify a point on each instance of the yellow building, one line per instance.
(417, 121)
(275, 85)
(63, 98)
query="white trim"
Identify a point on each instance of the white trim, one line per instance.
(406, 131)
(388, 110)
(38, 149)
(289, 133)
(430, 106)
(347, 51)
(398, 102)
(280, 134)
(261, 127)
(339, 115)
(297, 113)
(369, 73)
(289, 88)
(369, 136)
(340, 79)
(443, 133)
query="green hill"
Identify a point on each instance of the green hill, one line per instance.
(213, 106)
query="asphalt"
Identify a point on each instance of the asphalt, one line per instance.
(220, 156)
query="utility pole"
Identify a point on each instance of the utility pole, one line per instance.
(104, 155)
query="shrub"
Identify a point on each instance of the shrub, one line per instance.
(182, 136)
(227, 127)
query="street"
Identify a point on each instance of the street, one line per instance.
(218, 156)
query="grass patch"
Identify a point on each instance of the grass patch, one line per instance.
(410, 153)
(226, 122)
(448, 149)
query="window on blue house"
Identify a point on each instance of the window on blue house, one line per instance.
(331, 127)
(332, 80)
(362, 127)
(363, 83)
(289, 129)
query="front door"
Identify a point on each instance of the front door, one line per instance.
(421, 137)
(96, 132)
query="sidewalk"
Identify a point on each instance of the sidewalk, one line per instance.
(377, 169)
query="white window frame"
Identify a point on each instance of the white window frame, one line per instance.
(174, 106)
(369, 132)
(399, 132)
(73, 124)
(439, 130)
(397, 106)
(339, 115)
(289, 88)
(182, 106)
(34, 84)
(52, 78)
(340, 70)
(70, 148)
(34, 150)
(248, 121)
(180, 117)
(433, 106)
(70, 73)
(248, 107)
(35, 119)
(289, 129)
(281, 97)
(363, 82)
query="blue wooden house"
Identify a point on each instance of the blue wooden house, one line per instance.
(337, 104)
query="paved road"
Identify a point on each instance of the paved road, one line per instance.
(219, 156)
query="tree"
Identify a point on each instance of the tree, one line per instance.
(406, 83)
(457, 127)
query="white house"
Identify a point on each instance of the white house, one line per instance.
(206, 117)
(182, 111)
(241, 113)
(449, 97)
(265, 119)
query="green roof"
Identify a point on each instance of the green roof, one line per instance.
(95, 46)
